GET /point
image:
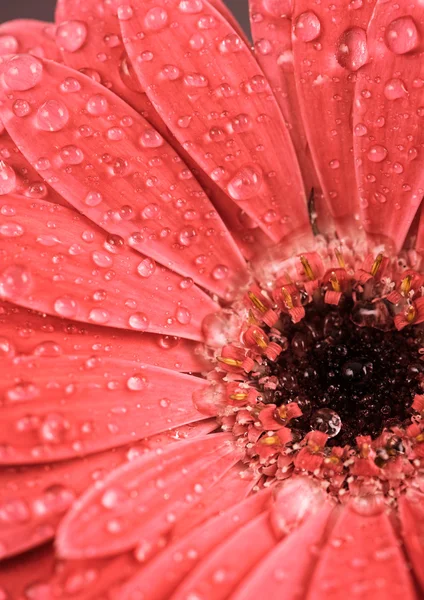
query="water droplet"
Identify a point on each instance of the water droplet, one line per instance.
(71, 35)
(11, 229)
(187, 236)
(47, 350)
(124, 12)
(97, 105)
(53, 429)
(307, 27)
(139, 321)
(7, 349)
(246, 183)
(231, 43)
(21, 108)
(71, 155)
(15, 282)
(263, 46)
(70, 85)
(220, 272)
(22, 72)
(151, 139)
(278, 8)
(394, 89)
(183, 315)
(93, 199)
(327, 421)
(352, 51)
(8, 45)
(156, 18)
(7, 178)
(190, 6)
(101, 259)
(99, 316)
(66, 306)
(196, 80)
(137, 382)
(52, 116)
(402, 35)
(147, 267)
(377, 153)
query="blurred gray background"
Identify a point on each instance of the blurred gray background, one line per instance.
(43, 9)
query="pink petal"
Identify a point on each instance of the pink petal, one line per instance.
(119, 172)
(18, 176)
(27, 332)
(139, 502)
(159, 578)
(230, 562)
(388, 114)
(271, 25)
(362, 559)
(411, 514)
(285, 572)
(328, 48)
(89, 38)
(23, 579)
(192, 91)
(55, 261)
(29, 36)
(58, 408)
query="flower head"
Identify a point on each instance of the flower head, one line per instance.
(211, 293)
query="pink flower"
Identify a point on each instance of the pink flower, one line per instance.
(211, 297)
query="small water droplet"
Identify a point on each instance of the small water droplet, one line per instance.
(137, 382)
(377, 153)
(183, 315)
(52, 116)
(246, 183)
(99, 316)
(66, 306)
(21, 108)
(156, 18)
(151, 139)
(71, 155)
(97, 105)
(93, 199)
(71, 35)
(307, 26)
(191, 7)
(139, 321)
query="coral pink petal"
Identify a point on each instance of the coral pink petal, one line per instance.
(25, 331)
(159, 578)
(411, 512)
(18, 176)
(89, 38)
(139, 503)
(223, 568)
(329, 45)
(58, 408)
(236, 484)
(210, 72)
(108, 162)
(271, 25)
(286, 571)
(55, 261)
(24, 579)
(388, 117)
(29, 36)
(34, 499)
(363, 559)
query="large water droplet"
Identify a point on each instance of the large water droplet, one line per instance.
(71, 155)
(327, 421)
(66, 306)
(307, 27)
(156, 18)
(52, 116)
(97, 105)
(183, 315)
(394, 89)
(137, 382)
(93, 199)
(402, 35)
(151, 139)
(8, 45)
(71, 35)
(22, 72)
(377, 153)
(190, 6)
(246, 183)
(7, 178)
(352, 51)
(15, 282)
(147, 267)
(139, 321)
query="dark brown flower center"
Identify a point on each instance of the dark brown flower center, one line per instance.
(347, 379)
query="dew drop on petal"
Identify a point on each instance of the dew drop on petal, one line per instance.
(93, 199)
(151, 139)
(7, 178)
(352, 51)
(52, 116)
(377, 153)
(71, 155)
(402, 35)
(183, 315)
(97, 105)
(8, 45)
(187, 236)
(394, 89)
(21, 108)
(139, 321)
(66, 306)
(22, 72)
(246, 183)
(15, 282)
(190, 6)
(146, 267)
(307, 27)
(137, 382)
(124, 12)
(99, 316)
(71, 35)
(11, 229)
(156, 19)
(70, 85)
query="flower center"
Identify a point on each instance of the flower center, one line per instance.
(322, 372)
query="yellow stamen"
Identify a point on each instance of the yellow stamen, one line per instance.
(256, 302)
(231, 362)
(420, 437)
(287, 297)
(252, 320)
(376, 264)
(270, 440)
(335, 282)
(239, 396)
(307, 267)
(410, 314)
(260, 340)
(405, 286)
(340, 258)
(333, 459)
(282, 411)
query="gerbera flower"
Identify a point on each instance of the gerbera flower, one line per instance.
(211, 295)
